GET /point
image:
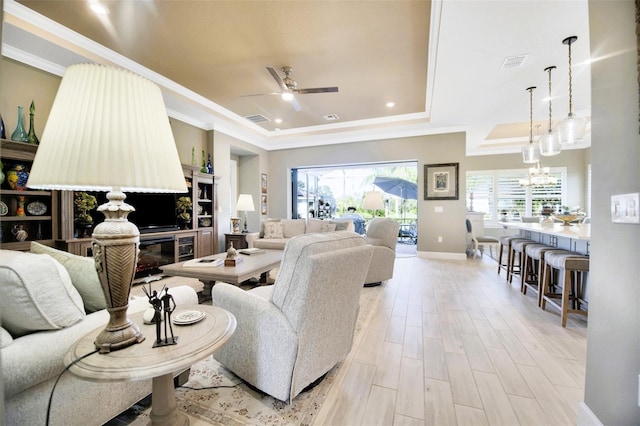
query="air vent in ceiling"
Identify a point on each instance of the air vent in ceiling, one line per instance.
(257, 118)
(512, 62)
(331, 117)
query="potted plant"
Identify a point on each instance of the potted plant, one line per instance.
(83, 204)
(183, 205)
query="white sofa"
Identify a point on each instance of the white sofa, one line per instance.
(48, 300)
(274, 233)
(291, 333)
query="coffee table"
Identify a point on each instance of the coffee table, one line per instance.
(251, 265)
(142, 361)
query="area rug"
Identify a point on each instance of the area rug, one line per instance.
(218, 397)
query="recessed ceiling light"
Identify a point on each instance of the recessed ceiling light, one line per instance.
(278, 120)
(98, 9)
(390, 104)
(277, 129)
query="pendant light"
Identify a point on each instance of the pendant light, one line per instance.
(530, 153)
(549, 142)
(571, 129)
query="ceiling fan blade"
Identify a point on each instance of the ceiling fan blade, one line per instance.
(277, 78)
(294, 103)
(260, 94)
(317, 90)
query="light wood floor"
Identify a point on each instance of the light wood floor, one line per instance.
(452, 343)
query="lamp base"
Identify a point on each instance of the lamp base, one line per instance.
(120, 332)
(235, 222)
(115, 253)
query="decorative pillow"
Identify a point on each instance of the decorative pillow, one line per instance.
(82, 271)
(5, 338)
(341, 225)
(315, 225)
(292, 227)
(36, 294)
(273, 230)
(262, 223)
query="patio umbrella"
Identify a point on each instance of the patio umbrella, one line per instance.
(399, 187)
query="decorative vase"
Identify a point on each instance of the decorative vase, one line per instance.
(20, 207)
(3, 132)
(1, 173)
(20, 134)
(203, 169)
(209, 165)
(17, 177)
(31, 137)
(19, 233)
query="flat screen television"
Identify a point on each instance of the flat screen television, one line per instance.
(154, 212)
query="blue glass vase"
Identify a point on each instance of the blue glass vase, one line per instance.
(20, 134)
(3, 133)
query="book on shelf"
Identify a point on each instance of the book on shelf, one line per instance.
(203, 263)
(250, 251)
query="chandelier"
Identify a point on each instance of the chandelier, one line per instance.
(538, 176)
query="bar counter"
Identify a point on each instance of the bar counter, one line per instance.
(575, 237)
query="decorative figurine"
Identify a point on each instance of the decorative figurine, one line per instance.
(168, 306)
(232, 253)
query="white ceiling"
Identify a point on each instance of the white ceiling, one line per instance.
(439, 61)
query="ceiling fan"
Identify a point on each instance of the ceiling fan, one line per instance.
(289, 87)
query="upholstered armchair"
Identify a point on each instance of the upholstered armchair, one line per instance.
(291, 333)
(382, 235)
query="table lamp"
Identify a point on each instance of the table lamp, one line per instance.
(373, 201)
(108, 130)
(245, 204)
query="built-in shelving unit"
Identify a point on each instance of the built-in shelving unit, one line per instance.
(25, 207)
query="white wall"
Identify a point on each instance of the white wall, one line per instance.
(613, 341)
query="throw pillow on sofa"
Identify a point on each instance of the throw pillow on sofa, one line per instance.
(273, 230)
(316, 225)
(264, 222)
(292, 227)
(83, 274)
(36, 294)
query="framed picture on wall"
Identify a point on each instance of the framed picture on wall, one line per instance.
(263, 183)
(441, 181)
(263, 204)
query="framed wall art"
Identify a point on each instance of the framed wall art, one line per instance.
(263, 204)
(263, 183)
(441, 181)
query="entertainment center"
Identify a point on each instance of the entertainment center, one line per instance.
(163, 238)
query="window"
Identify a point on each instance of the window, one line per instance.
(498, 193)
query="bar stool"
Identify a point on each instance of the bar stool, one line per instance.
(573, 267)
(533, 267)
(505, 241)
(517, 249)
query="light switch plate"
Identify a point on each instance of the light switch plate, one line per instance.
(438, 209)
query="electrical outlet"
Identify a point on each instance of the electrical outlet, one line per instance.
(439, 239)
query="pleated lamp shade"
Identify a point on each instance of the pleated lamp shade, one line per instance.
(108, 128)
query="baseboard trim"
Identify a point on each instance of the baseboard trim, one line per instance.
(441, 255)
(586, 416)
